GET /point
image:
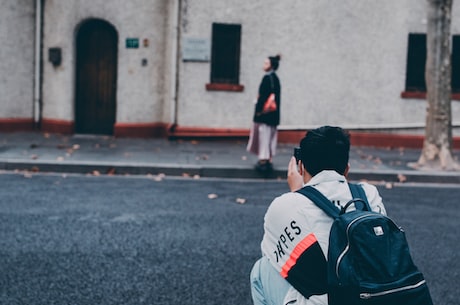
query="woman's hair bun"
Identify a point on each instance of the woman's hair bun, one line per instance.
(274, 61)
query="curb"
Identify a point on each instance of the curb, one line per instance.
(217, 171)
(405, 176)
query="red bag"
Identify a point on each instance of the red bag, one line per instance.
(270, 104)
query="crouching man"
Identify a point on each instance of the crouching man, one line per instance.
(292, 269)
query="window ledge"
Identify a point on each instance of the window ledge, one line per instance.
(414, 94)
(224, 87)
(422, 95)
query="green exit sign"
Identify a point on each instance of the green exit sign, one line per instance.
(132, 43)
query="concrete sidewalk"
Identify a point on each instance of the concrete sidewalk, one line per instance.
(39, 152)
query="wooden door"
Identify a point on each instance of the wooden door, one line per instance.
(96, 76)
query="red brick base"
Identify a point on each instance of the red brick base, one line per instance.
(19, 124)
(163, 130)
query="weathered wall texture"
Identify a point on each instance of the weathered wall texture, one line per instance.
(17, 29)
(343, 63)
(141, 90)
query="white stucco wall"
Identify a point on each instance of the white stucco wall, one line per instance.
(343, 63)
(17, 31)
(141, 90)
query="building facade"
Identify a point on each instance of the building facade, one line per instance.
(157, 68)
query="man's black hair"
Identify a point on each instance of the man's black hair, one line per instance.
(325, 148)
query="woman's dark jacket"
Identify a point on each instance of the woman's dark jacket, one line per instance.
(270, 83)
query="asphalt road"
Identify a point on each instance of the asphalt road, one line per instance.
(73, 239)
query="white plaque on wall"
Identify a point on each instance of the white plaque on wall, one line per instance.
(196, 49)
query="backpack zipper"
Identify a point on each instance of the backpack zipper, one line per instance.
(339, 259)
(344, 252)
(368, 295)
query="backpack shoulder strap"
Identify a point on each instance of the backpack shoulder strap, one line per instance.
(320, 201)
(357, 191)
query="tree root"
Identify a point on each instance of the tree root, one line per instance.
(434, 158)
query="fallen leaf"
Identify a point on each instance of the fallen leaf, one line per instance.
(212, 196)
(202, 157)
(240, 200)
(111, 171)
(402, 178)
(158, 177)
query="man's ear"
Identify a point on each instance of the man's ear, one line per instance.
(305, 174)
(300, 167)
(345, 173)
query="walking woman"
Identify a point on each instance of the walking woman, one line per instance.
(263, 137)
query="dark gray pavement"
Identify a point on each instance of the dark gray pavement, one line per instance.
(77, 239)
(99, 155)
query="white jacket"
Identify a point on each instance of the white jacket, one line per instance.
(296, 230)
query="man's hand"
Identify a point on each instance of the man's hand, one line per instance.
(294, 177)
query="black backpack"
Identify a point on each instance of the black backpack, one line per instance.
(368, 259)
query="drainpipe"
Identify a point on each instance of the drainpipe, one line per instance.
(175, 64)
(37, 76)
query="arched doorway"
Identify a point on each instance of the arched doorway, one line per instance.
(96, 77)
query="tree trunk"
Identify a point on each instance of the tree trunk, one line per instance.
(437, 146)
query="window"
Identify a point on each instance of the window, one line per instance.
(225, 57)
(455, 83)
(416, 59)
(415, 69)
